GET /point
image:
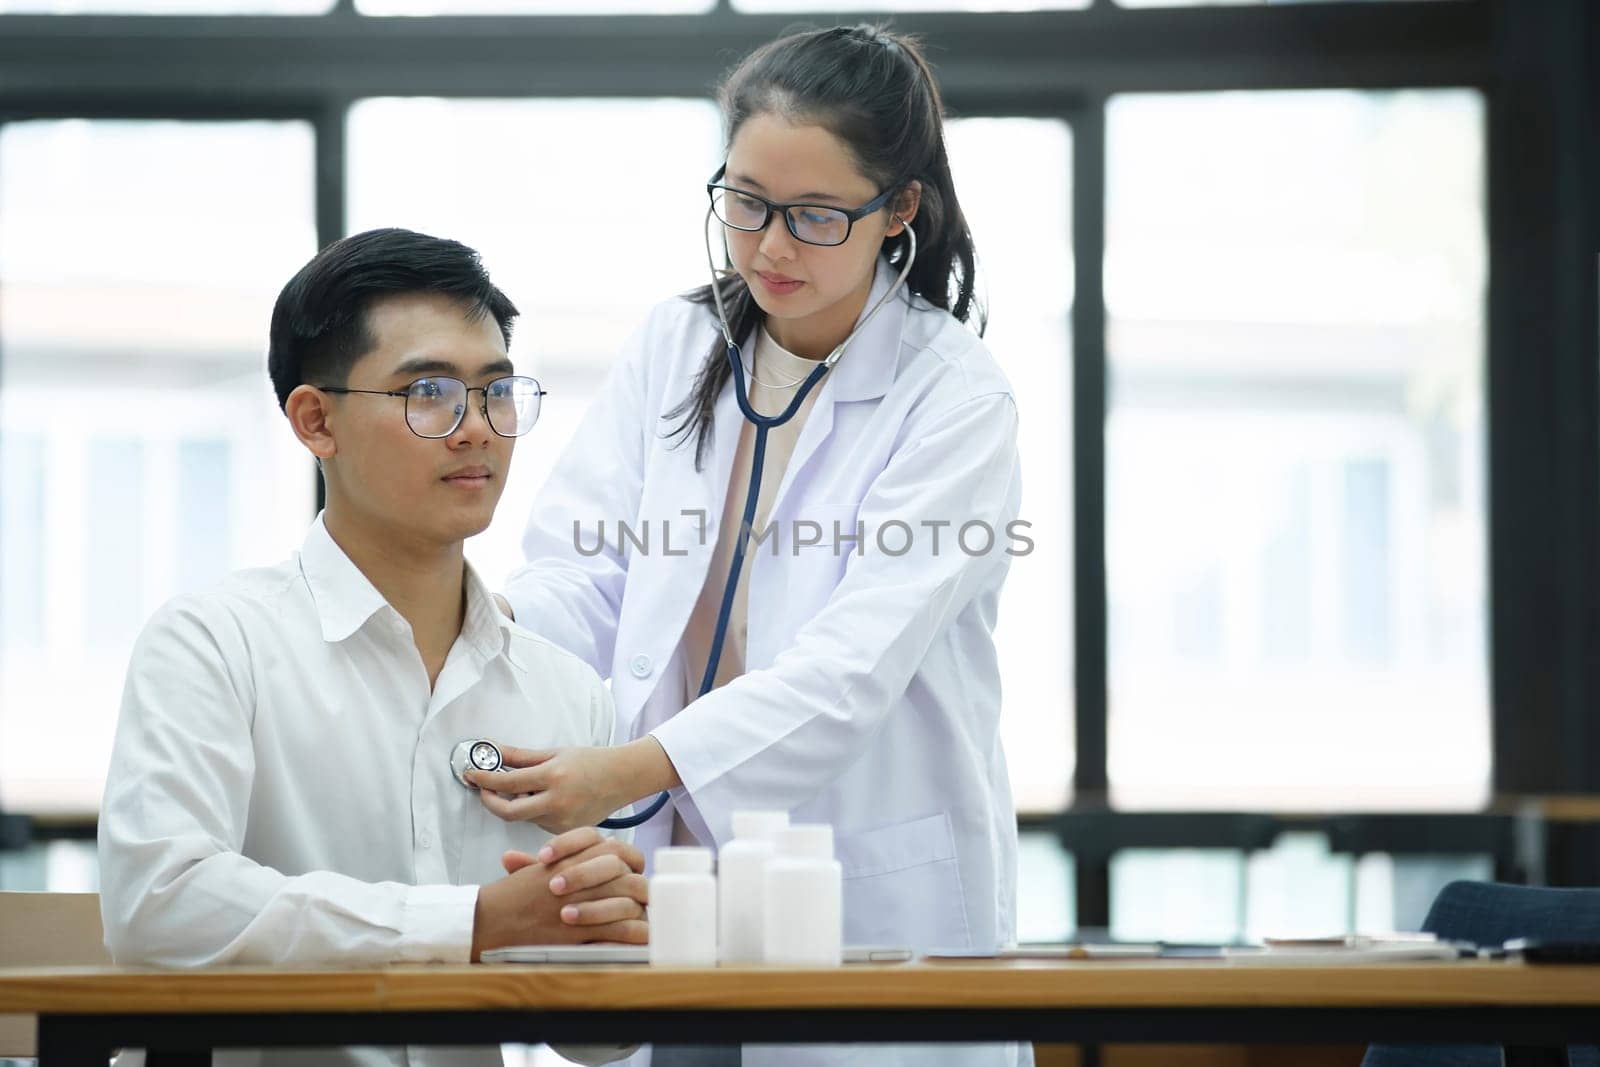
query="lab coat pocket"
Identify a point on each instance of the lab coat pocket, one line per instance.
(902, 885)
(816, 546)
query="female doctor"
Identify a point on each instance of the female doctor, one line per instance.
(853, 677)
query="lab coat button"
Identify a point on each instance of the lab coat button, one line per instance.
(424, 841)
(640, 666)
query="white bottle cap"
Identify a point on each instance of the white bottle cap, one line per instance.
(807, 840)
(683, 861)
(759, 823)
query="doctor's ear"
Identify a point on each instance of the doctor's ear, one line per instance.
(905, 209)
(308, 411)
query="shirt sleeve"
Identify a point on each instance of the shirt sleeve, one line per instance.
(570, 589)
(773, 738)
(175, 889)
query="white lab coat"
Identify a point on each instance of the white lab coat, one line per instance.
(871, 698)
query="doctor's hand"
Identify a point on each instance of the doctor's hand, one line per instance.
(563, 788)
(602, 898)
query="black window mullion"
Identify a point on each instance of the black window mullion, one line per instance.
(1543, 389)
(1089, 779)
(331, 157)
(332, 162)
(1088, 457)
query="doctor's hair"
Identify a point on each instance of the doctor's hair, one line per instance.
(319, 324)
(874, 90)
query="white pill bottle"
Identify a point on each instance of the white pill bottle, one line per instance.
(741, 885)
(804, 918)
(683, 909)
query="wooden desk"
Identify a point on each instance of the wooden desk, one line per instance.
(86, 1012)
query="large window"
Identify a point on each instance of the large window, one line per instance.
(796, 6)
(532, 7)
(590, 215)
(165, 7)
(1237, 268)
(143, 454)
(1295, 468)
(1024, 245)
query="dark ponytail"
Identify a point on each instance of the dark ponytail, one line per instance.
(872, 89)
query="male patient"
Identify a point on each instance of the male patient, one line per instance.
(280, 790)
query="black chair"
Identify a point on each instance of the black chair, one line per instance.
(1489, 914)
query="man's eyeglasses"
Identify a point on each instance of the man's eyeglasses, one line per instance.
(436, 407)
(815, 224)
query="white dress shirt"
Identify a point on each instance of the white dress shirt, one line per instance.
(280, 790)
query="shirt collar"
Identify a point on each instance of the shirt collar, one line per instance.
(346, 599)
(870, 362)
(484, 626)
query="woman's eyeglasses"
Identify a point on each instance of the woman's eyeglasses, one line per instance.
(815, 224)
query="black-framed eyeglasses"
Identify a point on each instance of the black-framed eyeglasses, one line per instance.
(815, 224)
(436, 406)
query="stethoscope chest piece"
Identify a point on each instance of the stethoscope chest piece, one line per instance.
(475, 754)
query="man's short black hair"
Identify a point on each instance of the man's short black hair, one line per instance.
(319, 327)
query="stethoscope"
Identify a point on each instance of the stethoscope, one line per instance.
(485, 755)
(476, 754)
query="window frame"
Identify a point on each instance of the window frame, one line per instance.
(1536, 64)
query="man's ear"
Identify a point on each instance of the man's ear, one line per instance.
(905, 209)
(308, 409)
